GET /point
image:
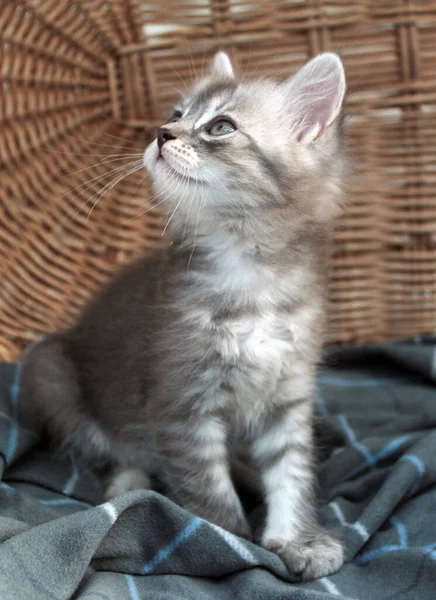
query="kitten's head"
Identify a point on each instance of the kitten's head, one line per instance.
(239, 146)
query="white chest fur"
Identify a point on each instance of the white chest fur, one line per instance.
(236, 271)
(258, 357)
(261, 351)
(263, 340)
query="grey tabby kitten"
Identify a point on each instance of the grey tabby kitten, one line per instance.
(208, 351)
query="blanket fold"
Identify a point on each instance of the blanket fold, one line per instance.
(377, 488)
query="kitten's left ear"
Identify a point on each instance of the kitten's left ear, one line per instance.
(315, 96)
(221, 66)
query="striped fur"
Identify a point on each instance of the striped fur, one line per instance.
(195, 355)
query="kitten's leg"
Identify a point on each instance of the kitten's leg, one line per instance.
(126, 479)
(50, 386)
(283, 452)
(196, 469)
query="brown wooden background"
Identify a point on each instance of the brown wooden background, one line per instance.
(84, 79)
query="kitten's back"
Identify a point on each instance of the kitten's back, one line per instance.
(65, 375)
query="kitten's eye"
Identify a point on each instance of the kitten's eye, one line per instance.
(222, 127)
(176, 115)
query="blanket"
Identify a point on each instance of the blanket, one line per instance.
(376, 432)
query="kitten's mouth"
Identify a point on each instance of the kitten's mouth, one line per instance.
(161, 160)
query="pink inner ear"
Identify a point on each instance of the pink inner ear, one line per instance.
(317, 94)
(320, 112)
(322, 108)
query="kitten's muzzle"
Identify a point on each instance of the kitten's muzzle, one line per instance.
(164, 135)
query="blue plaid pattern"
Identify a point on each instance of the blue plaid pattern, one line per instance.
(380, 483)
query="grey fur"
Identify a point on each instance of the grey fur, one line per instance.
(195, 354)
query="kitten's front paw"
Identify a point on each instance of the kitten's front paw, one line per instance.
(309, 558)
(125, 479)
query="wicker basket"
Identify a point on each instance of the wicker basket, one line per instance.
(81, 80)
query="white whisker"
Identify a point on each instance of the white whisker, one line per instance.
(177, 206)
(98, 143)
(189, 209)
(196, 226)
(86, 153)
(103, 162)
(110, 185)
(86, 185)
(182, 80)
(171, 183)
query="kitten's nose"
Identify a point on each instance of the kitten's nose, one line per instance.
(163, 135)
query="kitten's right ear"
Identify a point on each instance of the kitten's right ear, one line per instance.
(221, 66)
(315, 96)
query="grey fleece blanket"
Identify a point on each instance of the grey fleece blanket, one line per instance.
(377, 439)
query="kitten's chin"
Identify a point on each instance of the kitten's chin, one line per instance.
(164, 168)
(151, 156)
(160, 167)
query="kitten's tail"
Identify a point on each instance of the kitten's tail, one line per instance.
(50, 385)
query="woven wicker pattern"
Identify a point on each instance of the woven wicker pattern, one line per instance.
(81, 80)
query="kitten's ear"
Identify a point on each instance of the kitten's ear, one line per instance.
(315, 95)
(221, 66)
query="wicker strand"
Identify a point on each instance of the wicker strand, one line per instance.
(84, 83)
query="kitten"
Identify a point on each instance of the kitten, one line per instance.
(194, 354)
